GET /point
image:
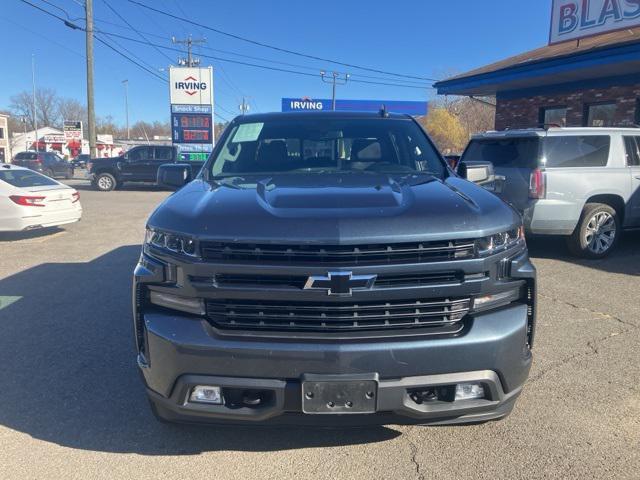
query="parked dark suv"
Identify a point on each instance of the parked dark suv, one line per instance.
(330, 268)
(47, 163)
(139, 164)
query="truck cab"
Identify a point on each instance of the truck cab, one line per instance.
(138, 164)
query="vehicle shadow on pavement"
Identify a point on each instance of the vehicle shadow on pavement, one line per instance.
(624, 259)
(129, 187)
(68, 372)
(29, 234)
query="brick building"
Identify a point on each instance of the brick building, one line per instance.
(593, 81)
(5, 152)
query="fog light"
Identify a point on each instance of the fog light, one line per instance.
(468, 391)
(495, 299)
(205, 394)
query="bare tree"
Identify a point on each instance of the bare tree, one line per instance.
(71, 109)
(47, 102)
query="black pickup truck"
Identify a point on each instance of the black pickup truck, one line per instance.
(138, 164)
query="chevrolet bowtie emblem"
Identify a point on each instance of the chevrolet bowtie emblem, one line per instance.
(340, 283)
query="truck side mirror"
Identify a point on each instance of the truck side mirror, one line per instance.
(477, 172)
(174, 175)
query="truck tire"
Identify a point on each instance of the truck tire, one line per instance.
(105, 182)
(49, 173)
(597, 232)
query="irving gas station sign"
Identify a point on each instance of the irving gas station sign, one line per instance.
(191, 96)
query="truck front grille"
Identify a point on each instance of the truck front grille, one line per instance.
(417, 252)
(437, 316)
(261, 281)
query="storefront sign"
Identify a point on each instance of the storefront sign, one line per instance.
(54, 139)
(573, 19)
(72, 130)
(319, 104)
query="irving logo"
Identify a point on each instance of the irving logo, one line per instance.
(191, 85)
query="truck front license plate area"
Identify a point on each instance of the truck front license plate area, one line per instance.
(339, 396)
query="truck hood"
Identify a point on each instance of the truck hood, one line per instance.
(334, 209)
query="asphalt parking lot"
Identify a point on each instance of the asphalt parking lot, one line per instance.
(72, 405)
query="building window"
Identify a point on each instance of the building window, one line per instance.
(1, 132)
(600, 114)
(637, 117)
(553, 116)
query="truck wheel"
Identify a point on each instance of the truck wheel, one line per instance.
(105, 182)
(597, 231)
(49, 173)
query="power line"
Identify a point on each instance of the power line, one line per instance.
(266, 67)
(130, 59)
(280, 49)
(49, 39)
(68, 23)
(268, 60)
(111, 47)
(149, 66)
(253, 57)
(134, 29)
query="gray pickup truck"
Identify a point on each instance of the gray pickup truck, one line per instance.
(329, 268)
(583, 183)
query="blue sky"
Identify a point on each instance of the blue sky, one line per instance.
(428, 38)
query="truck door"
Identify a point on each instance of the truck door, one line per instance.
(161, 155)
(136, 165)
(632, 147)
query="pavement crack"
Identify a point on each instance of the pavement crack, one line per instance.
(414, 454)
(592, 346)
(589, 310)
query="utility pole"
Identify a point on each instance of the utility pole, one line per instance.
(33, 85)
(244, 106)
(90, 107)
(335, 79)
(189, 42)
(126, 104)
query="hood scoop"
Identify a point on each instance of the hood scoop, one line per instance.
(331, 192)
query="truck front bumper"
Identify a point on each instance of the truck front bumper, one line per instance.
(183, 351)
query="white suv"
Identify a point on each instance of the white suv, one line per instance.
(583, 183)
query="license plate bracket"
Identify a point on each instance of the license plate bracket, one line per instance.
(339, 394)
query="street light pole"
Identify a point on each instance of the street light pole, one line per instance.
(33, 84)
(126, 104)
(334, 80)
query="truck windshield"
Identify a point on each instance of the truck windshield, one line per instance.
(307, 145)
(522, 152)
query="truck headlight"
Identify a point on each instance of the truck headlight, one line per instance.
(171, 242)
(500, 241)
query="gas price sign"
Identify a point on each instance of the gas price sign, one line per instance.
(191, 128)
(191, 98)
